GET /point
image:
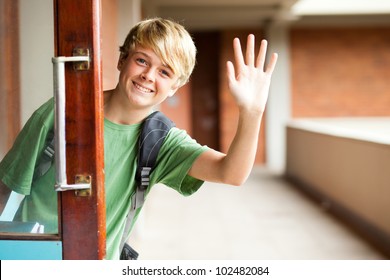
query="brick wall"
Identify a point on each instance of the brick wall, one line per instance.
(340, 72)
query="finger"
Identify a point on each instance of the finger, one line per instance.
(239, 59)
(231, 75)
(250, 50)
(272, 63)
(260, 61)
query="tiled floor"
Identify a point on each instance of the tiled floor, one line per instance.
(264, 219)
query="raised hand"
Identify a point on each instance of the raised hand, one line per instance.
(249, 84)
(248, 80)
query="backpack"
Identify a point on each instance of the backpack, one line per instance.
(154, 129)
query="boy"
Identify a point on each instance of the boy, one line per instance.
(156, 59)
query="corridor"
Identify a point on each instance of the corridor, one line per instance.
(265, 219)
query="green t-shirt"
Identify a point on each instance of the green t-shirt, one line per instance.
(175, 158)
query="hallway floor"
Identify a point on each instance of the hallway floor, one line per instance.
(265, 219)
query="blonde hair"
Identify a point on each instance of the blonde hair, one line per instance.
(169, 40)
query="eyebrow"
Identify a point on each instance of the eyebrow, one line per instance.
(145, 54)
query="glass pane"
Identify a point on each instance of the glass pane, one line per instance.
(29, 38)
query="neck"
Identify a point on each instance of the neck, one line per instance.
(116, 111)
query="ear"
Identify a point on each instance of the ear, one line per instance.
(173, 90)
(121, 60)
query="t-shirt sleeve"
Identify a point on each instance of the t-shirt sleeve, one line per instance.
(175, 159)
(17, 167)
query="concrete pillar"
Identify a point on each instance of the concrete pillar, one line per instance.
(278, 110)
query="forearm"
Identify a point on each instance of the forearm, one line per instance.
(238, 162)
(234, 167)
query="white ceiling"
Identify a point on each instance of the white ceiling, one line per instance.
(200, 14)
(344, 7)
(214, 14)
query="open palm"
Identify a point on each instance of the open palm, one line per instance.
(248, 80)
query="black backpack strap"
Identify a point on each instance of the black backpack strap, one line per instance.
(47, 157)
(153, 132)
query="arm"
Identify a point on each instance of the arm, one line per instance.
(249, 84)
(4, 195)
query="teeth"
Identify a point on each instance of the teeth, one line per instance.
(142, 88)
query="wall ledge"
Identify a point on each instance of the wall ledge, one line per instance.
(370, 129)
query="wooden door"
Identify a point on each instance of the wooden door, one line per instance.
(82, 222)
(82, 229)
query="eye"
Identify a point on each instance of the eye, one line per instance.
(165, 73)
(141, 61)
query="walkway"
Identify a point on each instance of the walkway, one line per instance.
(264, 219)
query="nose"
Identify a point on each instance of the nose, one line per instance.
(148, 75)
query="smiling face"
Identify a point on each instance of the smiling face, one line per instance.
(169, 40)
(156, 58)
(144, 80)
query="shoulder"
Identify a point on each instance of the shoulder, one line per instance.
(177, 135)
(179, 141)
(46, 107)
(44, 115)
